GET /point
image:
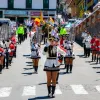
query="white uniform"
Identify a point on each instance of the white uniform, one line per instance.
(35, 51)
(52, 63)
(88, 41)
(68, 45)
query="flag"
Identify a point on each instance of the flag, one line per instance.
(37, 21)
(51, 20)
(41, 17)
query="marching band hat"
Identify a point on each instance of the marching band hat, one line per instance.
(51, 38)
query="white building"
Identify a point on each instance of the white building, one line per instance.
(48, 6)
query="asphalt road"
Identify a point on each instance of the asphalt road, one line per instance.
(19, 82)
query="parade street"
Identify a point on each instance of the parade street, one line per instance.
(19, 82)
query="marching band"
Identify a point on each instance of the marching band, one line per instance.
(58, 50)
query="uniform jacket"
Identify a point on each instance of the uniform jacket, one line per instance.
(51, 52)
(35, 50)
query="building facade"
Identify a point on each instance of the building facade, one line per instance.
(28, 4)
(24, 8)
(78, 7)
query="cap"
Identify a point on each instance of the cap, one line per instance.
(51, 38)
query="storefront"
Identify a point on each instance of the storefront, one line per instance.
(17, 15)
(46, 14)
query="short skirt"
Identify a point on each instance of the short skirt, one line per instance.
(46, 68)
(69, 57)
(35, 57)
(51, 65)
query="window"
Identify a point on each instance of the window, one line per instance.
(28, 3)
(10, 4)
(1, 14)
(46, 4)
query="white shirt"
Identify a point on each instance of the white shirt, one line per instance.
(88, 41)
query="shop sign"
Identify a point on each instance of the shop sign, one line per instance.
(15, 12)
(34, 13)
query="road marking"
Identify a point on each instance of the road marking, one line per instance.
(29, 90)
(98, 88)
(58, 91)
(5, 92)
(78, 89)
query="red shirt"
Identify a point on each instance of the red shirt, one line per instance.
(1, 50)
(12, 48)
(93, 46)
(13, 39)
(97, 42)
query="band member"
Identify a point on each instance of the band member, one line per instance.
(84, 35)
(35, 54)
(52, 65)
(7, 53)
(98, 49)
(68, 45)
(93, 48)
(13, 39)
(32, 33)
(45, 30)
(88, 45)
(11, 51)
(1, 58)
(4, 47)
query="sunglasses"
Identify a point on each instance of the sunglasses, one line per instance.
(51, 39)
